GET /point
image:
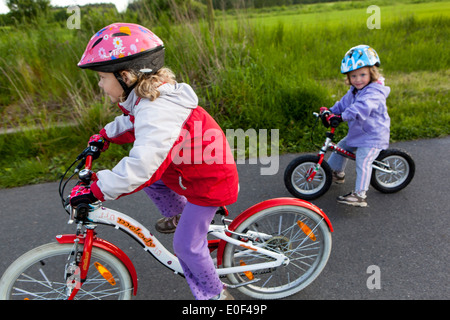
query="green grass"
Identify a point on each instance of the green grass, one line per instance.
(258, 70)
(340, 13)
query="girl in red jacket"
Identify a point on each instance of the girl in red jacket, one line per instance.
(180, 156)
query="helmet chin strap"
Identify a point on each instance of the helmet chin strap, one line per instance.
(124, 86)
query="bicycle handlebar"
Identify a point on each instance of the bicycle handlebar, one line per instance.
(85, 174)
(87, 156)
(325, 119)
(88, 164)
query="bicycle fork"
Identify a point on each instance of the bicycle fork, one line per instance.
(313, 171)
(76, 272)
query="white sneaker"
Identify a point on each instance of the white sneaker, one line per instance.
(353, 199)
(338, 178)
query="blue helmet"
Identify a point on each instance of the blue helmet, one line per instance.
(359, 57)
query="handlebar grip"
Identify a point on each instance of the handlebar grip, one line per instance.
(324, 117)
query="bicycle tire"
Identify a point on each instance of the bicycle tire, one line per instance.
(43, 268)
(403, 165)
(308, 256)
(297, 172)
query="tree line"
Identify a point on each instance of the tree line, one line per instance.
(28, 11)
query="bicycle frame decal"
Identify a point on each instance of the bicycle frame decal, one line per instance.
(341, 151)
(139, 232)
(151, 244)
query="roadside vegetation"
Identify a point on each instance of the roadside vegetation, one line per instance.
(260, 68)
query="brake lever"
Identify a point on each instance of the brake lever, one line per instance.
(83, 153)
(89, 151)
(80, 165)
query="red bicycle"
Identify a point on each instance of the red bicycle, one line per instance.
(270, 251)
(309, 176)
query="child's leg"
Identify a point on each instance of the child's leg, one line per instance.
(168, 202)
(191, 247)
(337, 162)
(364, 159)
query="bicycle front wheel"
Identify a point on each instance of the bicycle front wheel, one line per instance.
(297, 232)
(40, 274)
(299, 170)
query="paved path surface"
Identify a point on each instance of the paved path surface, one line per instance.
(406, 235)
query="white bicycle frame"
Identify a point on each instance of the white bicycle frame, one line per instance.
(152, 245)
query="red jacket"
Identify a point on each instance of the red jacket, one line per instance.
(174, 140)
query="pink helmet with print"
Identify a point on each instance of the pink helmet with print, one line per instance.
(123, 46)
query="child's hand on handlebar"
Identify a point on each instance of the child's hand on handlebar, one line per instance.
(334, 120)
(329, 119)
(81, 194)
(99, 141)
(324, 111)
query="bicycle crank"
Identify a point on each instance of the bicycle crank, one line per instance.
(234, 286)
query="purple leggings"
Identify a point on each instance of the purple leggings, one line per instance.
(190, 243)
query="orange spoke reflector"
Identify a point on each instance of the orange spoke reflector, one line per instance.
(248, 274)
(307, 230)
(248, 247)
(105, 273)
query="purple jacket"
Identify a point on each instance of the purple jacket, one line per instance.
(366, 113)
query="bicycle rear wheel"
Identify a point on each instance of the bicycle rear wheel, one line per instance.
(40, 274)
(401, 167)
(299, 233)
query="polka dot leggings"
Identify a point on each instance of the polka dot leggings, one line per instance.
(190, 242)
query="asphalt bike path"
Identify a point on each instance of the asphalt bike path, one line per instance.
(397, 248)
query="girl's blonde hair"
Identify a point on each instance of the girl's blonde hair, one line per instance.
(374, 75)
(147, 84)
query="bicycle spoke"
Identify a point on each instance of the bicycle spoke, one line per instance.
(40, 295)
(97, 294)
(300, 236)
(32, 279)
(45, 277)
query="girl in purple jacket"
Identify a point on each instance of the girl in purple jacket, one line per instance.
(364, 108)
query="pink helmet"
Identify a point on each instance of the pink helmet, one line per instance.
(123, 46)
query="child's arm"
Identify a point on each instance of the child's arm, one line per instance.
(119, 131)
(157, 128)
(362, 108)
(340, 106)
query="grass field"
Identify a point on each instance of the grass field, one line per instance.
(337, 13)
(259, 69)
